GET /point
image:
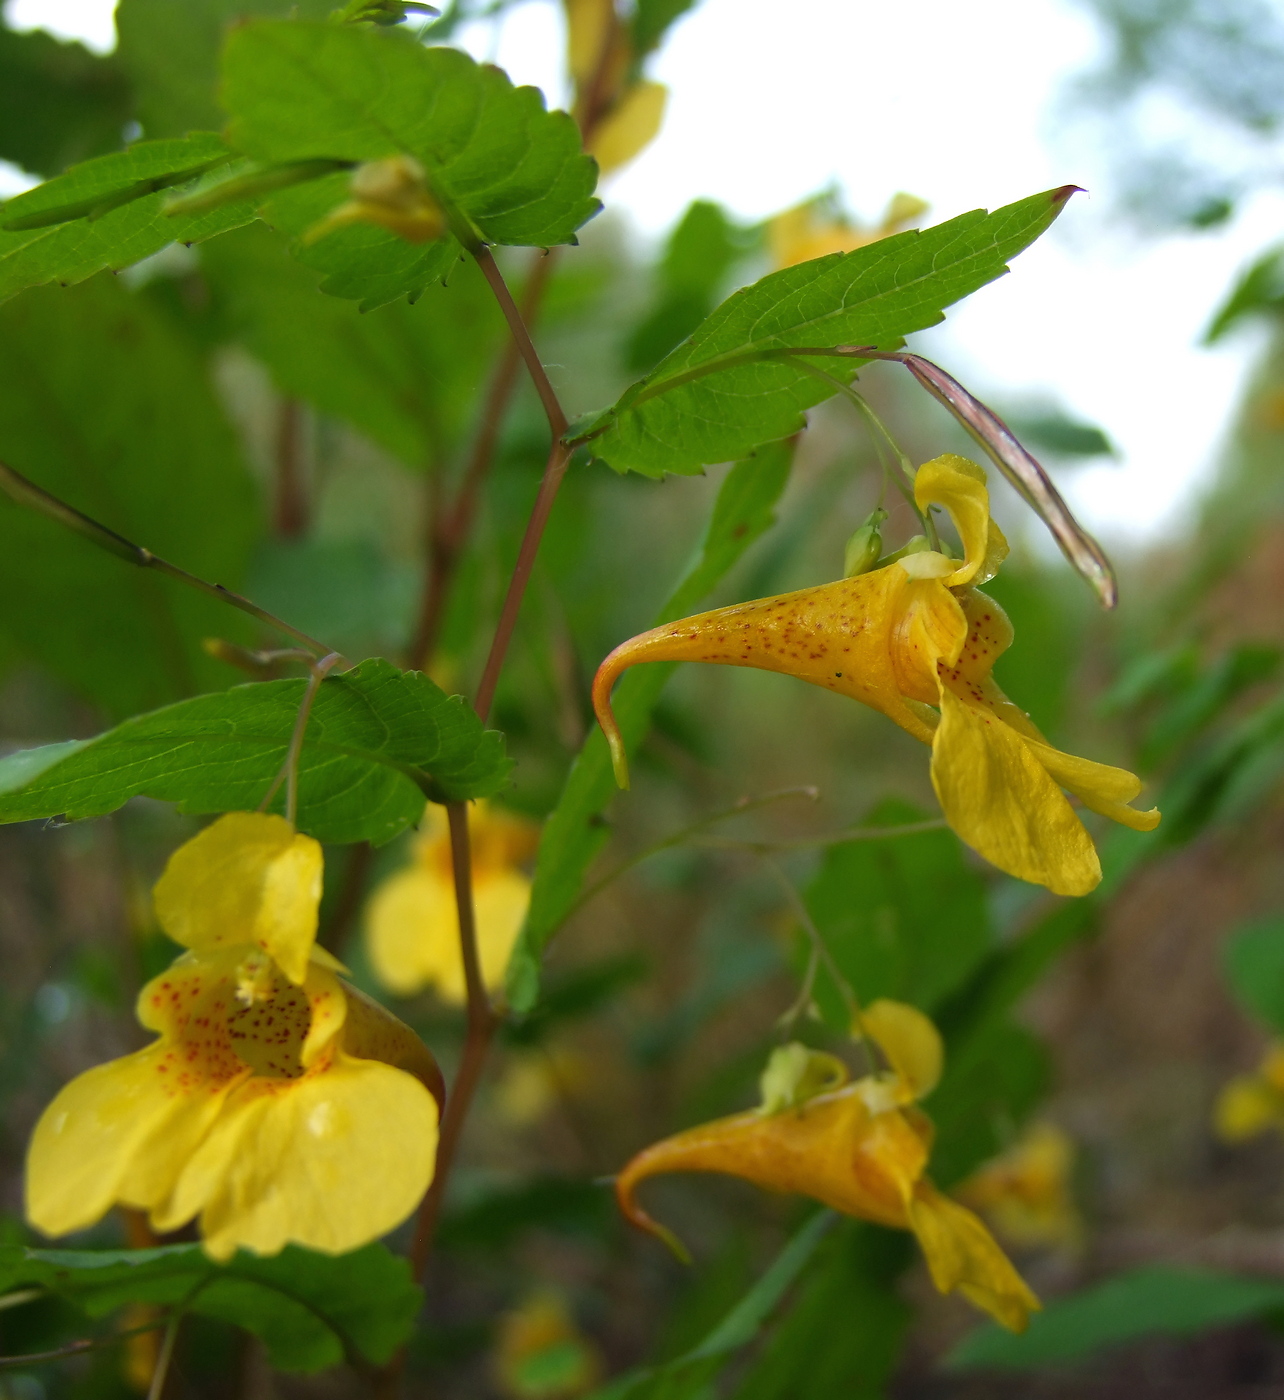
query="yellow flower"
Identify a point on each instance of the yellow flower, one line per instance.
(917, 640)
(619, 112)
(1252, 1103)
(860, 1148)
(542, 1355)
(1025, 1192)
(412, 929)
(278, 1104)
(810, 230)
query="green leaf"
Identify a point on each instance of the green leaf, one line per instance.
(575, 832)
(989, 1087)
(652, 19)
(311, 1310)
(1206, 696)
(405, 376)
(59, 103)
(171, 52)
(1259, 289)
(687, 1376)
(1253, 959)
(1049, 622)
(506, 170)
(1148, 1301)
(904, 917)
(811, 1355)
(105, 405)
(109, 213)
(1055, 431)
(732, 386)
(376, 738)
(697, 260)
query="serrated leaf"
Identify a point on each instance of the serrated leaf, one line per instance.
(310, 1310)
(102, 403)
(574, 832)
(701, 251)
(727, 388)
(376, 737)
(506, 170)
(652, 19)
(1148, 1301)
(59, 102)
(131, 187)
(687, 1377)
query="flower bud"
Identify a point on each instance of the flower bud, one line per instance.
(865, 545)
(795, 1073)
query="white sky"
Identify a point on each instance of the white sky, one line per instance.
(957, 104)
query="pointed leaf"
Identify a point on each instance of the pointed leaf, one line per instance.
(109, 213)
(727, 388)
(376, 738)
(311, 1310)
(507, 170)
(1153, 1300)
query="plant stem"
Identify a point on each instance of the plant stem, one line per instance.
(449, 530)
(482, 1023)
(522, 336)
(157, 1388)
(554, 470)
(290, 507)
(18, 488)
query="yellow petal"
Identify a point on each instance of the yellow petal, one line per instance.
(961, 1253)
(411, 927)
(1000, 799)
(247, 878)
(1247, 1106)
(372, 1032)
(909, 1040)
(1099, 787)
(959, 485)
(119, 1133)
(631, 125)
(588, 24)
(330, 1161)
(838, 636)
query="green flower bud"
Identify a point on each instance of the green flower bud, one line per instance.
(865, 545)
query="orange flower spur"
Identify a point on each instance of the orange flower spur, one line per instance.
(917, 640)
(860, 1148)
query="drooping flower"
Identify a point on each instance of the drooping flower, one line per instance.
(814, 228)
(278, 1104)
(1025, 1192)
(860, 1148)
(412, 927)
(1251, 1104)
(917, 640)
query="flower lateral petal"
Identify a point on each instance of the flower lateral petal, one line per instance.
(1001, 800)
(962, 1254)
(329, 1162)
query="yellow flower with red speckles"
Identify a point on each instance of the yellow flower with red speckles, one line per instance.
(917, 640)
(278, 1105)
